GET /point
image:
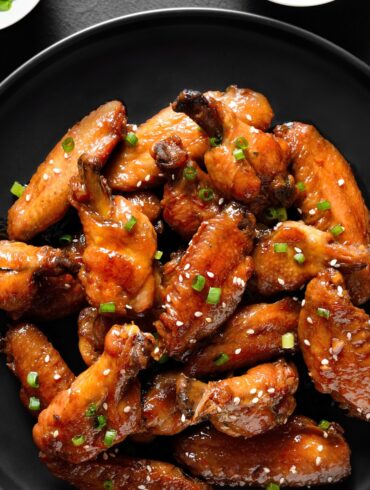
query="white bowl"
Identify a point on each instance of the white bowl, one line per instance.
(301, 3)
(18, 10)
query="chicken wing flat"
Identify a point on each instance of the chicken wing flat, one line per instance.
(335, 340)
(45, 200)
(252, 335)
(146, 202)
(103, 404)
(133, 166)
(293, 253)
(39, 367)
(297, 454)
(208, 282)
(124, 473)
(188, 197)
(121, 243)
(328, 178)
(92, 329)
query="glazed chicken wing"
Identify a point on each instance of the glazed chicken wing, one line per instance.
(121, 242)
(39, 367)
(293, 253)
(45, 200)
(102, 406)
(205, 287)
(252, 335)
(92, 329)
(328, 177)
(334, 337)
(297, 454)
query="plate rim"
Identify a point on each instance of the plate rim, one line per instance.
(68, 41)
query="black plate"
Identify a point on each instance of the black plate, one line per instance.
(145, 60)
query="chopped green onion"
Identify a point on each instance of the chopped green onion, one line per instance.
(131, 139)
(91, 410)
(206, 194)
(214, 295)
(163, 359)
(109, 307)
(323, 205)
(17, 189)
(324, 424)
(68, 144)
(215, 141)
(198, 283)
(337, 230)
(276, 213)
(238, 154)
(280, 247)
(5, 5)
(33, 379)
(299, 257)
(158, 255)
(101, 422)
(65, 239)
(273, 486)
(34, 403)
(130, 223)
(109, 437)
(323, 312)
(190, 173)
(78, 440)
(241, 143)
(287, 340)
(221, 359)
(301, 186)
(108, 485)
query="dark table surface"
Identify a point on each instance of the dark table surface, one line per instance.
(344, 22)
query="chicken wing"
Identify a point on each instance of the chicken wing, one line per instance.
(334, 337)
(252, 335)
(92, 329)
(121, 242)
(328, 178)
(123, 473)
(297, 454)
(45, 200)
(133, 167)
(102, 406)
(293, 253)
(146, 202)
(208, 282)
(188, 197)
(39, 367)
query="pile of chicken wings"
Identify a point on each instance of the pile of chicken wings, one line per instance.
(209, 250)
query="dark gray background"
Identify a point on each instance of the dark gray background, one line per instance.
(345, 22)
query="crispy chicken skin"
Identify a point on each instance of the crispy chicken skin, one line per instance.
(328, 176)
(117, 262)
(279, 271)
(28, 350)
(45, 200)
(133, 166)
(297, 454)
(251, 335)
(183, 208)
(244, 405)
(146, 202)
(92, 329)
(218, 252)
(124, 473)
(336, 349)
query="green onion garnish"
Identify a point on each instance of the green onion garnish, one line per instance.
(65, 239)
(163, 359)
(276, 213)
(91, 410)
(131, 139)
(324, 424)
(78, 440)
(323, 312)
(214, 295)
(323, 205)
(337, 230)
(215, 141)
(130, 223)
(5, 5)
(198, 283)
(238, 154)
(109, 307)
(273, 486)
(241, 143)
(287, 340)
(101, 422)
(190, 173)
(108, 485)
(68, 144)
(17, 189)
(109, 437)
(33, 379)
(280, 247)
(34, 403)
(206, 194)
(158, 255)
(299, 257)
(221, 359)
(301, 186)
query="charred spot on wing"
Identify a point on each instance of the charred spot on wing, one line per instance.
(284, 190)
(169, 154)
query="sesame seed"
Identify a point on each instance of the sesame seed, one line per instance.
(192, 341)
(168, 298)
(293, 469)
(208, 319)
(56, 433)
(187, 275)
(28, 197)
(303, 302)
(299, 210)
(183, 418)
(105, 456)
(333, 262)
(45, 176)
(309, 320)
(236, 400)
(179, 323)
(223, 304)
(312, 212)
(260, 394)
(127, 409)
(318, 461)
(180, 278)
(282, 480)
(105, 406)
(47, 358)
(142, 487)
(250, 331)
(254, 130)
(57, 376)
(253, 391)
(281, 281)
(307, 342)
(238, 351)
(186, 267)
(51, 161)
(325, 434)
(56, 170)
(221, 201)
(298, 250)
(330, 479)
(340, 291)
(368, 416)
(149, 468)
(320, 448)
(266, 470)
(271, 390)
(324, 362)
(106, 372)
(210, 274)
(147, 178)
(340, 182)
(66, 155)
(198, 314)
(249, 117)
(129, 307)
(139, 184)
(219, 409)
(255, 400)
